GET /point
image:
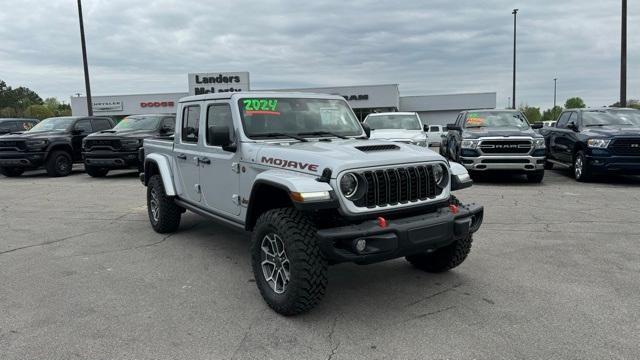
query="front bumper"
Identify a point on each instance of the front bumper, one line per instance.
(111, 159)
(503, 162)
(619, 164)
(22, 159)
(401, 237)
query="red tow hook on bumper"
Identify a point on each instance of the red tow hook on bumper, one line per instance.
(454, 209)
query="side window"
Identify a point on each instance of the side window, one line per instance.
(434, 128)
(168, 123)
(25, 125)
(461, 119)
(563, 120)
(84, 126)
(190, 123)
(573, 119)
(219, 115)
(101, 124)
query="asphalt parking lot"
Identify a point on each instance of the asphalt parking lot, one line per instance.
(554, 273)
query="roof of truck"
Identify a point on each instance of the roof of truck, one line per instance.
(244, 94)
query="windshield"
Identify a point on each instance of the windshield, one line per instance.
(630, 116)
(400, 122)
(138, 123)
(608, 118)
(496, 119)
(53, 124)
(279, 117)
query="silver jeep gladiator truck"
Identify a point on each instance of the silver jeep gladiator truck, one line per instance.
(299, 172)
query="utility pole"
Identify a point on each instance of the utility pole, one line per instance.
(623, 57)
(84, 60)
(513, 97)
(555, 83)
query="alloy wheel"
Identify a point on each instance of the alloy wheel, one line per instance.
(578, 167)
(275, 263)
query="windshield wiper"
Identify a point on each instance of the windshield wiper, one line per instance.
(277, 134)
(322, 133)
(599, 125)
(474, 127)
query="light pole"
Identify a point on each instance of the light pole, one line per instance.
(84, 60)
(555, 83)
(513, 95)
(623, 57)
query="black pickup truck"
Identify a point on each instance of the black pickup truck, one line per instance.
(54, 143)
(594, 141)
(118, 148)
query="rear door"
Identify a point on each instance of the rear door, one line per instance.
(219, 169)
(565, 138)
(81, 128)
(556, 147)
(186, 150)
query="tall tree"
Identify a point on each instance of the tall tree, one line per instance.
(552, 114)
(575, 103)
(532, 113)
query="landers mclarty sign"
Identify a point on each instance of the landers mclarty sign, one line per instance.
(206, 83)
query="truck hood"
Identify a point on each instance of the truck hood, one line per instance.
(33, 135)
(396, 134)
(132, 134)
(314, 156)
(475, 133)
(611, 131)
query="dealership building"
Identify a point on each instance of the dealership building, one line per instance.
(364, 99)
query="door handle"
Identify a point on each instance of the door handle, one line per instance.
(205, 161)
(182, 156)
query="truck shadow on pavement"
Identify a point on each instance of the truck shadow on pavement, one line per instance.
(612, 179)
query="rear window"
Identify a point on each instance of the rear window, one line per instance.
(434, 128)
(399, 122)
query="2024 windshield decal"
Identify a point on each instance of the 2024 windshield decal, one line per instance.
(260, 106)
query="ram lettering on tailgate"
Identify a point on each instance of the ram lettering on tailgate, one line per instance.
(289, 164)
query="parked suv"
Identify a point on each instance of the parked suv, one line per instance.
(435, 133)
(404, 127)
(594, 141)
(54, 143)
(299, 172)
(118, 148)
(502, 140)
(16, 125)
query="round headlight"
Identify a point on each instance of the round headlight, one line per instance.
(349, 185)
(439, 173)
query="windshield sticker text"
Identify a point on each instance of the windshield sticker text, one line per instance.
(260, 106)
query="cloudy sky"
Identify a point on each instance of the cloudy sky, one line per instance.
(428, 47)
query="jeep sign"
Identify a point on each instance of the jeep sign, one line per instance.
(206, 83)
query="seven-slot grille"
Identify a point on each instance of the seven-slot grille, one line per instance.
(625, 146)
(505, 146)
(13, 145)
(398, 186)
(102, 143)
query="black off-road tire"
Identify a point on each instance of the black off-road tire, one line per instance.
(535, 176)
(443, 259)
(95, 171)
(168, 215)
(307, 265)
(11, 171)
(585, 174)
(59, 163)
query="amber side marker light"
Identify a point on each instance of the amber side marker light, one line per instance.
(310, 196)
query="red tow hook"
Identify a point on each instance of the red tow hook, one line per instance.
(382, 222)
(454, 209)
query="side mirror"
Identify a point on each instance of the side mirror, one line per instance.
(572, 126)
(367, 130)
(166, 130)
(425, 128)
(453, 127)
(536, 126)
(219, 136)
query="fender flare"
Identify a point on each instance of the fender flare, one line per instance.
(164, 168)
(290, 181)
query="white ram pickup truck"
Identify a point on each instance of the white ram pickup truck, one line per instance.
(299, 172)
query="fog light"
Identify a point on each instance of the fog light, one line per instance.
(361, 244)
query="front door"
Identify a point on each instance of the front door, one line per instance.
(82, 128)
(219, 169)
(186, 149)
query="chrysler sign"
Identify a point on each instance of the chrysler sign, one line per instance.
(207, 83)
(104, 106)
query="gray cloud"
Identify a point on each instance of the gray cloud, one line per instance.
(425, 46)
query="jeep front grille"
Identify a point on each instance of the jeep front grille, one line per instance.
(626, 146)
(505, 146)
(398, 186)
